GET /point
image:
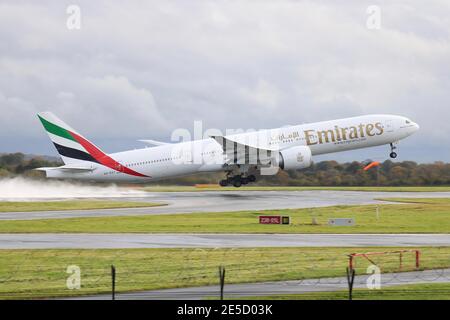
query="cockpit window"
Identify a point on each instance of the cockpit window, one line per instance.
(408, 122)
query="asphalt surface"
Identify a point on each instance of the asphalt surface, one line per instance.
(120, 240)
(281, 287)
(219, 201)
(187, 202)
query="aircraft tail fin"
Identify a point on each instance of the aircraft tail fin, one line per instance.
(72, 146)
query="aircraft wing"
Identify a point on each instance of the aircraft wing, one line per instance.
(239, 153)
(68, 168)
(154, 142)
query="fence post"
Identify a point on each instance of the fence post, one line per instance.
(350, 261)
(222, 280)
(417, 259)
(350, 279)
(113, 282)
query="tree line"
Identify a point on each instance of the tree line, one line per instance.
(323, 173)
(14, 164)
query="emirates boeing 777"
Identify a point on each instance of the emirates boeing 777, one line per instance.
(242, 157)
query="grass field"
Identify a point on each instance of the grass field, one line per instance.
(43, 273)
(421, 216)
(275, 188)
(426, 291)
(8, 206)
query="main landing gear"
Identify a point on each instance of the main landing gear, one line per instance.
(237, 180)
(393, 154)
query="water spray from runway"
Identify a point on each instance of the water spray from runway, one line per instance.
(23, 189)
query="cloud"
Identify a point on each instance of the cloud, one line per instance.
(264, 94)
(142, 69)
(112, 106)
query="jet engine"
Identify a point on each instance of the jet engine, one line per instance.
(295, 158)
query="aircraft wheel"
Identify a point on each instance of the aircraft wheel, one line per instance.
(223, 183)
(393, 155)
(237, 183)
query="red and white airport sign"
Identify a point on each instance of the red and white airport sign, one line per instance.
(274, 220)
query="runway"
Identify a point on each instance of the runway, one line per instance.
(280, 287)
(121, 240)
(220, 201)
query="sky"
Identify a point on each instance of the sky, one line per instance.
(118, 72)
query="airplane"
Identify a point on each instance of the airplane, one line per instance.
(242, 157)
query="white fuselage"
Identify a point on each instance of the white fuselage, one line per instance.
(207, 155)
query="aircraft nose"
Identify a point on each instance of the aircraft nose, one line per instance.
(416, 126)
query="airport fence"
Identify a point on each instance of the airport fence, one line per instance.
(28, 274)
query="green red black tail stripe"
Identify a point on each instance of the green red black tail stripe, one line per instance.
(103, 158)
(77, 147)
(74, 153)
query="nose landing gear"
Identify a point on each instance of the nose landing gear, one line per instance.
(393, 154)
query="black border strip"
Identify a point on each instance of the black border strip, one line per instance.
(74, 153)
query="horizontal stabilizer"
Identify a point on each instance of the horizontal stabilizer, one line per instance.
(73, 168)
